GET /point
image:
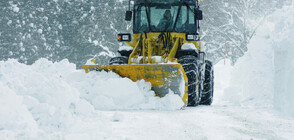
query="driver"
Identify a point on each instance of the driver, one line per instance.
(166, 22)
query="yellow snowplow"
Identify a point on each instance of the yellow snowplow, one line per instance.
(162, 77)
(164, 49)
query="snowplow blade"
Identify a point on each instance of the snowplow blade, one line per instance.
(163, 77)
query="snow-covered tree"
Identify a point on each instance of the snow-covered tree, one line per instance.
(81, 29)
(229, 25)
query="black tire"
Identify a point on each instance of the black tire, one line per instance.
(208, 84)
(190, 65)
(118, 60)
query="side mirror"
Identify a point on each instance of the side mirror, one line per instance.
(128, 16)
(202, 57)
(198, 14)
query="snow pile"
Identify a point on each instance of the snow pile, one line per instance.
(47, 98)
(264, 76)
(107, 91)
(125, 48)
(252, 76)
(222, 77)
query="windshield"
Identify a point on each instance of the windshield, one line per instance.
(163, 18)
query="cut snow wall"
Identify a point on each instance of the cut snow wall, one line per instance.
(284, 80)
(283, 46)
(264, 77)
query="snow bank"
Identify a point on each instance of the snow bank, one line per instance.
(264, 77)
(283, 44)
(125, 48)
(252, 76)
(222, 77)
(47, 98)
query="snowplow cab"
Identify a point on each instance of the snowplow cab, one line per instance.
(163, 49)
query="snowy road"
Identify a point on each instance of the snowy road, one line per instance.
(203, 122)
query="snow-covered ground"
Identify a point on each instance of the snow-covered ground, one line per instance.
(253, 100)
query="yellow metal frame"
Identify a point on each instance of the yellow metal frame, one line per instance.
(151, 45)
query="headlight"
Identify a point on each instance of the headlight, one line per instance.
(192, 37)
(124, 37)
